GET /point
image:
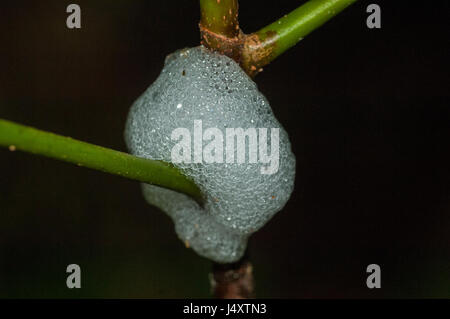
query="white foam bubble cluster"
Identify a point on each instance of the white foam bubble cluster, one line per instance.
(197, 84)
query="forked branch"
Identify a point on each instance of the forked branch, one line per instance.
(219, 28)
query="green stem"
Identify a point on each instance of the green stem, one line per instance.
(219, 27)
(28, 139)
(263, 46)
(220, 17)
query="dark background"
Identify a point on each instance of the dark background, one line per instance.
(368, 116)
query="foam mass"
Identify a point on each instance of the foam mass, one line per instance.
(197, 84)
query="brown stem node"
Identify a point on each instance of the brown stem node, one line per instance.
(233, 281)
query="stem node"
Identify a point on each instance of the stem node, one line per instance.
(219, 29)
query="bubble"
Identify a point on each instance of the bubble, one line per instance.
(197, 84)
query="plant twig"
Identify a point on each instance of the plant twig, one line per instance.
(233, 281)
(263, 46)
(28, 139)
(220, 16)
(255, 50)
(219, 27)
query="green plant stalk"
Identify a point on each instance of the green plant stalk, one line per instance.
(262, 47)
(220, 17)
(219, 27)
(294, 26)
(28, 139)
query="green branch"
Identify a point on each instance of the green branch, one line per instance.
(220, 17)
(265, 45)
(28, 139)
(219, 28)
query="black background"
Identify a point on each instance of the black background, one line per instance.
(368, 116)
